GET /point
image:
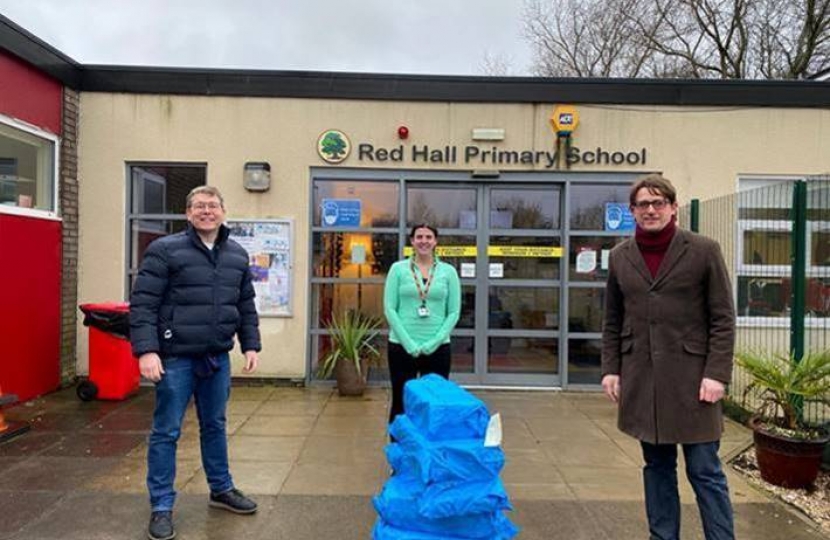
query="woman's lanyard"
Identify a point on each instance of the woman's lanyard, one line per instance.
(423, 311)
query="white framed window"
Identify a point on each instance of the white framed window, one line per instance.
(764, 251)
(28, 169)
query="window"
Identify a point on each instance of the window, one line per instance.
(764, 250)
(27, 167)
(158, 195)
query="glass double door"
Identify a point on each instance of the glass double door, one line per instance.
(506, 244)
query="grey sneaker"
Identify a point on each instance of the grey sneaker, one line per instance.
(234, 501)
(161, 526)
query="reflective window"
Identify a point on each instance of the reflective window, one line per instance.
(441, 207)
(584, 361)
(467, 319)
(523, 355)
(529, 308)
(157, 190)
(463, 353)
(586, 308)
(524, 208)
(338, 298)
(353, 255)
(522, 257)
(820, 248)
(588, 259)
(363, 203)
(588, 204)
(767, 247)
(27, 169)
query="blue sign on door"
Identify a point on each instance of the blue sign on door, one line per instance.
(340, 213)
(618, 217)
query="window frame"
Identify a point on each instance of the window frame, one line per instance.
(742, 269)
(54, 212)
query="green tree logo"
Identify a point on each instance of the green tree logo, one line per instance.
(333, 146)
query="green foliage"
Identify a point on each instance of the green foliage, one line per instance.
(784, 385)
(333, 145)
(352, 339)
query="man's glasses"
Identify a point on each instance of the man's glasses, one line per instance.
(657, 204)
(206, 206)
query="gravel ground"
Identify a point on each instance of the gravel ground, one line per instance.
(815, 502)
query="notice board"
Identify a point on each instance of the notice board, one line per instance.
(269, 245)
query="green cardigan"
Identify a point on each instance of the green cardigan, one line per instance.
(421, 335)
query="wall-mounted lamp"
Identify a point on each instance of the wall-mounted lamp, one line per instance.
(257, 176)
(403, 132)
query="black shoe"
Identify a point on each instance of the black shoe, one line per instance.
(233, 501)
(161, 526)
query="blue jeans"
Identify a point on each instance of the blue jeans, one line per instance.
(183, 378)
(703, 469)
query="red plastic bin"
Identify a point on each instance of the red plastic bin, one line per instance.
(113, 370)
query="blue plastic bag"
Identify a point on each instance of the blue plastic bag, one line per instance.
(399, 505)
(460, 459)
(443, 410)
(384, 531)
(446, 499)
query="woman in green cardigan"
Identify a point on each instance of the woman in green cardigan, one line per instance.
(422, 302)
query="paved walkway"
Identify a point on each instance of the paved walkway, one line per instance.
(313, 460)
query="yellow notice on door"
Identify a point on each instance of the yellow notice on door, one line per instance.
(536, 252)
(447, 251)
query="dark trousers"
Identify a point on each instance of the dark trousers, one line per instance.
(703, 469)
(403, 368)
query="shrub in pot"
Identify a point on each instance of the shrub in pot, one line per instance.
(352, 351)
(788, 447)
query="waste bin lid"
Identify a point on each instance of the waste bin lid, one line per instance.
(107, 307)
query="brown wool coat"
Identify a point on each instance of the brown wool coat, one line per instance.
(663, 335)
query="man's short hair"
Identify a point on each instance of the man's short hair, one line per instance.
(655, 183)
(210, 191)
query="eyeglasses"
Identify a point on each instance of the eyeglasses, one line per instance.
(206, 206)
(657, 204)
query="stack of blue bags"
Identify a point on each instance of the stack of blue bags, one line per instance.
(445, 484)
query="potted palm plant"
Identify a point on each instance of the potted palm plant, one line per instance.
(352, 351)
(788, 447)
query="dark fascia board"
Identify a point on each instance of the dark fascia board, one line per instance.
(445, 88)
(376, 86)
(19, 42)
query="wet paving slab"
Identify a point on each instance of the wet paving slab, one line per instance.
(313, 460)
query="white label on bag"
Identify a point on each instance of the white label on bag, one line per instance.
(493, 435)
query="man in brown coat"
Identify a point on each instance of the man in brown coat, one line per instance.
(668, 340)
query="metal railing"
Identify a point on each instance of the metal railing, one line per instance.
(776, 243)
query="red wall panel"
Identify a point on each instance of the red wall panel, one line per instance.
(29, 95)
(30, 305)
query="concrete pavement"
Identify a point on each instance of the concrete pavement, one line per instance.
(313, 460)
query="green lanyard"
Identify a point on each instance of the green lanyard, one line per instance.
(416, 275)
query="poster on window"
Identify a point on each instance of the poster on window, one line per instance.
(268, 243)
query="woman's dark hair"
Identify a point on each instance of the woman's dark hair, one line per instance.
(423, 226)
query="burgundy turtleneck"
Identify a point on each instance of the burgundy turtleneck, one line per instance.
(653, 245)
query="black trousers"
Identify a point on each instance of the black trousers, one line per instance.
(403, 368)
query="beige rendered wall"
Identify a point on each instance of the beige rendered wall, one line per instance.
(703, 150)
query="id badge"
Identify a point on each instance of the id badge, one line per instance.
(423, 311)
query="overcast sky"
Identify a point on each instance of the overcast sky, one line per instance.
(392, 36)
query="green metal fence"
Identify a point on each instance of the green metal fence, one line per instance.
(776, 242)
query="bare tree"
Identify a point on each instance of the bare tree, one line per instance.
(496, 65)
(585, 38)
(731, 39)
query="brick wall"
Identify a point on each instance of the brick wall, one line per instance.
(68, 193)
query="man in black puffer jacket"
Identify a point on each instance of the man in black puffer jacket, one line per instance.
(193, 293)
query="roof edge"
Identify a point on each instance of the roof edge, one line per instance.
(28, 47)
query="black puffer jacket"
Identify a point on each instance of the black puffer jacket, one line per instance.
(190, 301)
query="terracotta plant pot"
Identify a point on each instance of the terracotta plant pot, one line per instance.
(349, 383)
(787, 462)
